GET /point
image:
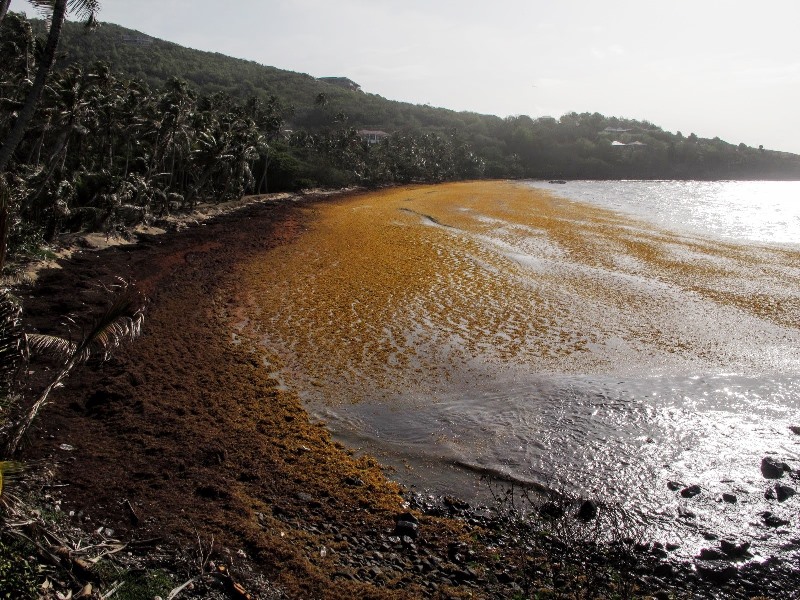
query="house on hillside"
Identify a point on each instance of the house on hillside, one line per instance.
(342, 82)
(372, 136)
(637, 143)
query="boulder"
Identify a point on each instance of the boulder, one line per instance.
(729, 498)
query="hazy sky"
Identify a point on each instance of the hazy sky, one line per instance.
(716, 68)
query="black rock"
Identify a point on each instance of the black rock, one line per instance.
(734, 550)
(691, 491)
(729, 498)
(771, 520)
(674, 485)
(551, 510)
(406, 529)
(795, 429)
(455, 503)
(717, 574)
(784, 492)
(711, 554)
(773, 469)
(588, 510)
(664, 569)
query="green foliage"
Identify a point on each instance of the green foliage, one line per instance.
(131, 128)
(573, 146)
(136, 585)
(17, 575)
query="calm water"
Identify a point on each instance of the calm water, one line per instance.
(621, 431)
(758, 211)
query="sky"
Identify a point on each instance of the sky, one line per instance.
(715, 68)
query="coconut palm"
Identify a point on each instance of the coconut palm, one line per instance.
(57, 11)
(122, 321)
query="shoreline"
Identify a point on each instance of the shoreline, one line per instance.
(183, 437)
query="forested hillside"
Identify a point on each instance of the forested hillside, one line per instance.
(572, 146)
(129, 127)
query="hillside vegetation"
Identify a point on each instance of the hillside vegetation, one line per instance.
(129, 127)
(572, 146)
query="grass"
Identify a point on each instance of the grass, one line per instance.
(18, 577)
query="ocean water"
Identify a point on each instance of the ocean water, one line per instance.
(754, 211)
(601, 341)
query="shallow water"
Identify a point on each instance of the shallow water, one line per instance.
(492, 329)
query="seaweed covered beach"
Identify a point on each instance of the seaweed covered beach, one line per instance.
(199, 430)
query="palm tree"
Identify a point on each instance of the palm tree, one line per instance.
(4, 4)
(122, 321)
(57, 11)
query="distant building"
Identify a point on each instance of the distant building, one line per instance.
(372, 136)
(636, 143)
(342, 82)
(615, 130)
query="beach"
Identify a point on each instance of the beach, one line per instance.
(201, 426)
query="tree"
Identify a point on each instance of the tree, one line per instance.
(57, 10)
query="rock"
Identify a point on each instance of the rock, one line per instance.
(717, 574)
(588, 510)
(406, 529)
(729, 498)
(784, 492)
(551, 510)
(353, 481)
(455, 503)
(770, 520)
(664, 569)
(734, 550)
(674, 485)
(691, 491)
(711, 554)
(795, 429)
(773, 469)
(769, 494)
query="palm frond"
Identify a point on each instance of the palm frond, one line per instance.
(86, 10)
(53, 345)
(122, 321)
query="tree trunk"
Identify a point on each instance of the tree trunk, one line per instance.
(262, 184)
(25, 115)
(17, 132)
(4, 4)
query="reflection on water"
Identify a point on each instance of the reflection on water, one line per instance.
(602, 438)
(760, 211)
(489, 328)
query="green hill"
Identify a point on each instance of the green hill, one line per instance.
(573, 146)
